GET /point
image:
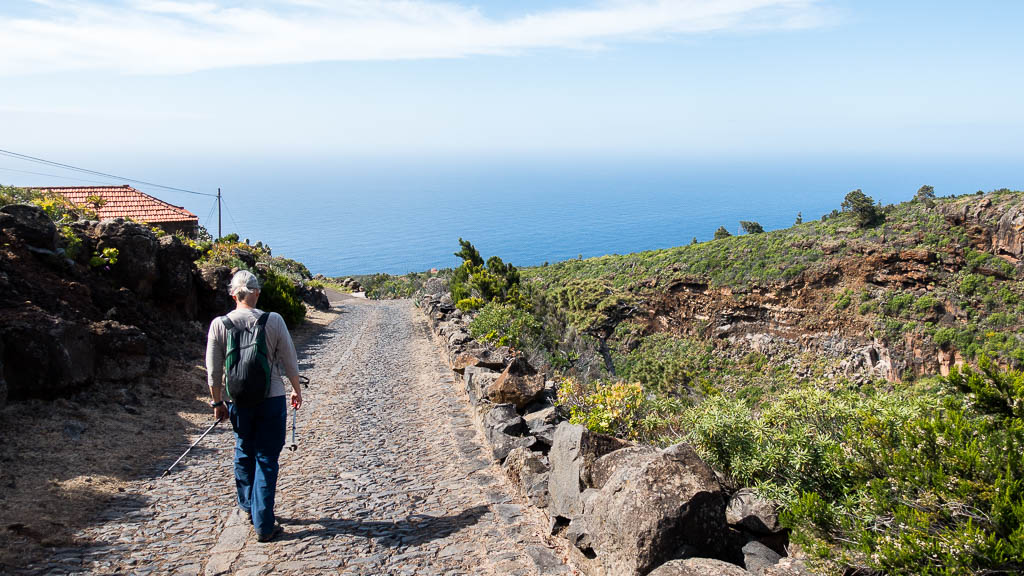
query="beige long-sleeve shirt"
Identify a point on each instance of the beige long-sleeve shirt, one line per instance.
(279, 346)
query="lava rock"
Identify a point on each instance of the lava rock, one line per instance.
(136, 267)
(699, 567)
(518, 384)
(651, 507)
(30, 224)
(750, 512)
(528, 472)
(757, 557)
(573, 452)
(176, 286)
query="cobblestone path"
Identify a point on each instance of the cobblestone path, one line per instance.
(389, 477)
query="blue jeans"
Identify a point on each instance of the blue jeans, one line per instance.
(259, 438)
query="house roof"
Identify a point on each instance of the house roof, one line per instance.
(125, 202)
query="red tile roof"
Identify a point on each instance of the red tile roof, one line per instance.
(126, 202)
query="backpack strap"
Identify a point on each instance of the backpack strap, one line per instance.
(262, 320)
(227, 323)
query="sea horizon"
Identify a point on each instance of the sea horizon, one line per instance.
(345, 218)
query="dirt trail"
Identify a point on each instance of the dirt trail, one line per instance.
(390, 478)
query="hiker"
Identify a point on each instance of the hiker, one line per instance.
(258, 413)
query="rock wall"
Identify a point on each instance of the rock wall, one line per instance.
(626, 510)
(65, 324)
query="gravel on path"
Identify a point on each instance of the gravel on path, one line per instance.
(390, 477)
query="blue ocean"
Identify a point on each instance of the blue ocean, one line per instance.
(343, 217)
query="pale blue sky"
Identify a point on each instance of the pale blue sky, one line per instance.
(120, 83)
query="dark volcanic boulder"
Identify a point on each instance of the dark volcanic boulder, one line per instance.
(122, 351)
(502, 426)
(573, 452)
(518, 384)
(315, 296)
(757, 557)
(528, 472)
(480, 355)
(699, 567)
(750, 512)
(652, 507)
(176, 287)
(606, 466)
(3, 383)
(477, 379)
(31, 224)
(136, 245)
(214, 299)
(45, 356)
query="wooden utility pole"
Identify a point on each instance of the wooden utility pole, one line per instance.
(219, 234)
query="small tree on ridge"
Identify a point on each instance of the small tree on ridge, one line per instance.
(863, 207)
(751, 227)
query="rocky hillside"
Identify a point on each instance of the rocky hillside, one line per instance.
(125, 305)
(934, 285)
(856, 380)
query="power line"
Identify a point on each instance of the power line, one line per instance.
(228, 210)
(74, 179)
(45, 162)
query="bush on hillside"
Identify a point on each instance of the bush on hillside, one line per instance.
(507, 325)
(495, 281)
(751, 227)
(278, 294)
(620, 408)
(863, 208)
(925, 195)
(938, 492)
(722, 233)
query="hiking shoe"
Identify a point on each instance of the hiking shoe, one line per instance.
(277, 531)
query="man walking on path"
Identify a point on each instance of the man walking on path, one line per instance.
(260, 427)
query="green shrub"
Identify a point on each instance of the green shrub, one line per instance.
(469, 304)
(944, 337)
(607, 408)
(896, 304)
(507, 325)
(664, 363)
(104, 259)
(842, 301)
(926, 304)
(496, 281)
(278, 294)
(863, 208)
(621, 409)
(72, 243)
(751, 227)
(937, 492)
(972, 284)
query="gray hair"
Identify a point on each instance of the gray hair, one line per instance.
(243, 283)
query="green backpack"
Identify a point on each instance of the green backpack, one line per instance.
(247, 363)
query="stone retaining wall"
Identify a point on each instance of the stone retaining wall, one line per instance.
(626, 510)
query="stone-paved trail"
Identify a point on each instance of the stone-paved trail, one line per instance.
(390, 477)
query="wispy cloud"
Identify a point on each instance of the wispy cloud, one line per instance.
(170, 37)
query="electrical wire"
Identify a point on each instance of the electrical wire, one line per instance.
(228, 210)
(45, 162)
(54, 176)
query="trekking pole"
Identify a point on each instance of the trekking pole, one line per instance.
(294, 445)
(208, 430)
(295, 411)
